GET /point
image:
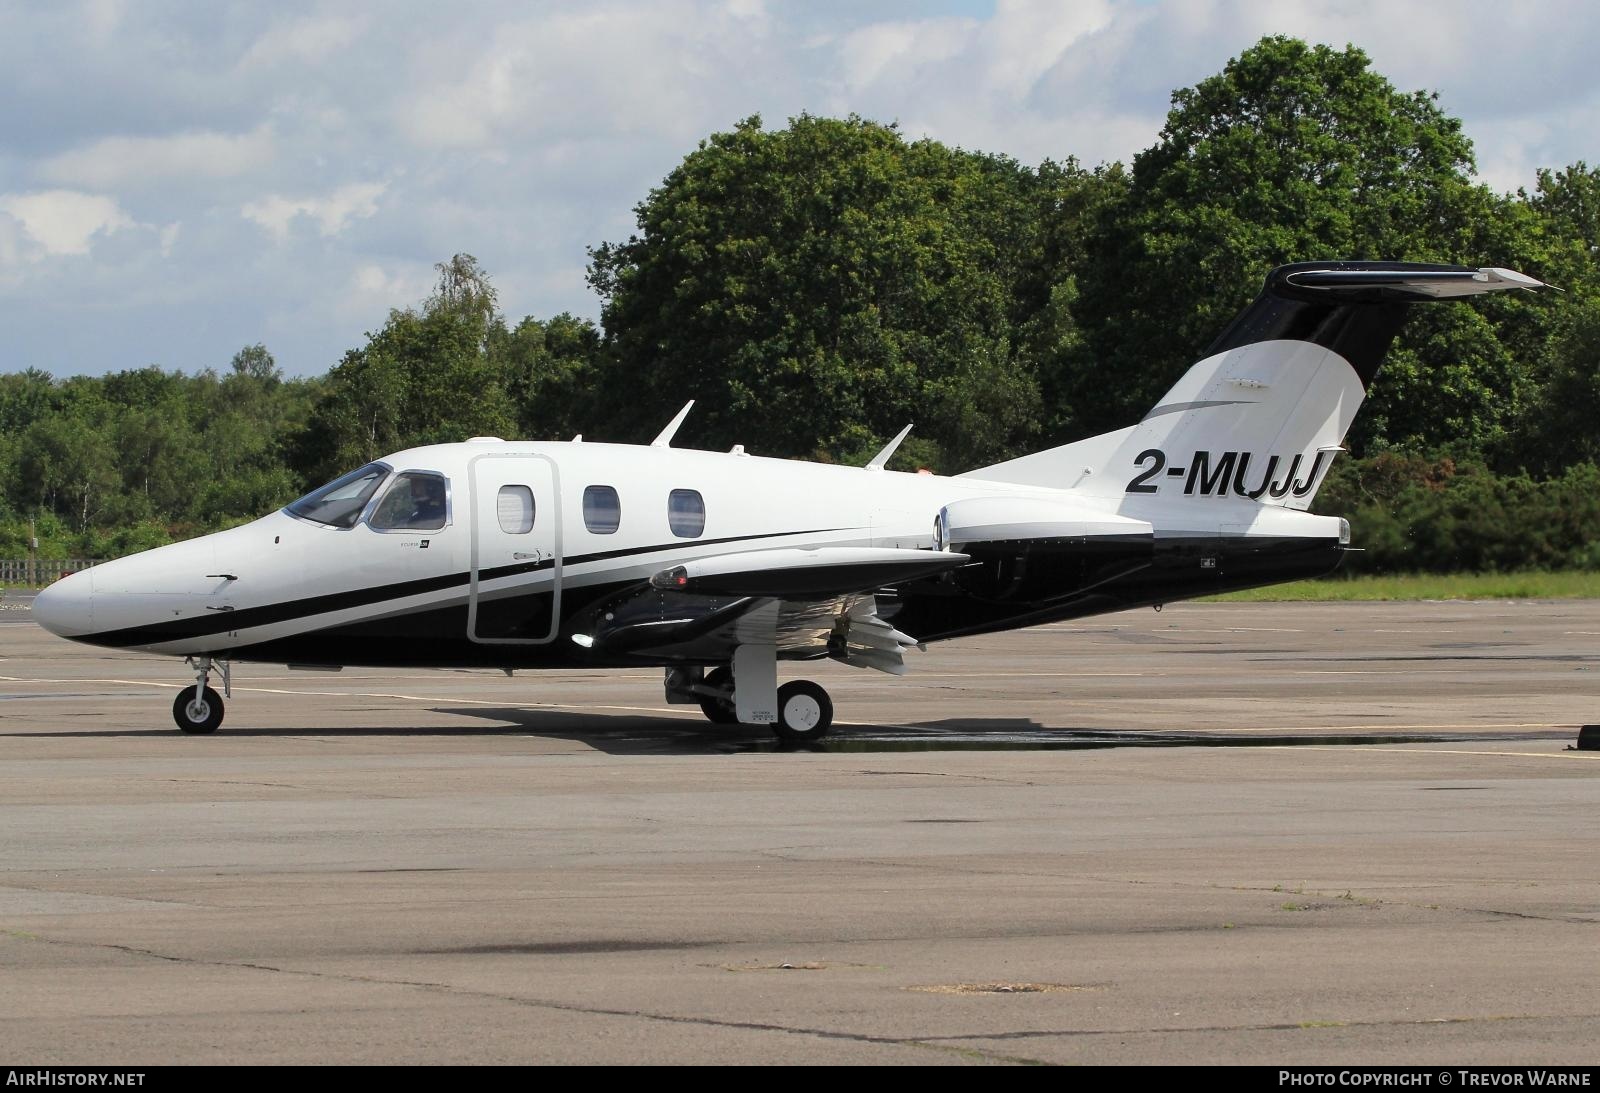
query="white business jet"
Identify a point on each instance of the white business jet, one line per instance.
(716, 565)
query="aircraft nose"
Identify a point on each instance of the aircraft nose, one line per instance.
(65, 608)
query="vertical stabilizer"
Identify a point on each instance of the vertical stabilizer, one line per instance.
(1263, 414)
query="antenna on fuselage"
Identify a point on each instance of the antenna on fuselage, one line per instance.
(879, 460)
(665, 439)
(577, 439)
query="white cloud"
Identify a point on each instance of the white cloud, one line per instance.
(10, 250)
(312, 39)
(62, 222)
(659, 69)
(897, 51)
(121, 161)
(332, 213)
(103, 18)
(375, 288)
(1026, 39)
(525, 130)
(169, 238)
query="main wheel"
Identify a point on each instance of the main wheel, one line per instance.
(197, 713)
(719, 711)
(805, 712)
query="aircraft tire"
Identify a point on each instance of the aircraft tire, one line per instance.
(805, 712)
(197, 717)
(719, 711)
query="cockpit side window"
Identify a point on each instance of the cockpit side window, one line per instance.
(415, 501)
(339, 504)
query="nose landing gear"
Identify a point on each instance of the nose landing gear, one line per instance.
(198, 709)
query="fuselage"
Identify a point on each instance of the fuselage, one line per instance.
(534, 540)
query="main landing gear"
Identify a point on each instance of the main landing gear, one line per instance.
(804, 712)
(198, 709)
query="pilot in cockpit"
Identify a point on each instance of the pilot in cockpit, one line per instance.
(414, 502)
(427, 503)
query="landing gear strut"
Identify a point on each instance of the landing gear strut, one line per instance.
(198, 709)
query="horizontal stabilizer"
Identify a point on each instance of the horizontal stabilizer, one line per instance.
(1400, 284)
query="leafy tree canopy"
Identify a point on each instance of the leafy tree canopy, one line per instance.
(818, 286)
(1296, 152)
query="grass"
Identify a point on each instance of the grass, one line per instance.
(1457, 586)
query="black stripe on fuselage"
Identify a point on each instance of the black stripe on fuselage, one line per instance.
(436, 637)
(223, 622)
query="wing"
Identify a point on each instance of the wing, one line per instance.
(808, 603)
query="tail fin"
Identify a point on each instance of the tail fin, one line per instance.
(1264, 412)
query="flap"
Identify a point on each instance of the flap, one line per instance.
(804, 574)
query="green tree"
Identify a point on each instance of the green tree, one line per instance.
(464, 289)
(1567, 204)
(1298, 152)
(818, 286)
(1562, 426)
(552, 367)
(257, 363)
(69, 466)
(427, 377)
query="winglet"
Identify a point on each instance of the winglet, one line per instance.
(665, 439)
(882, 458)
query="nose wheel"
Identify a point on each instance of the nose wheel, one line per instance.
(197, 710)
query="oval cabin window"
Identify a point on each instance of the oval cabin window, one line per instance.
(686, 513)
(515, 508)
(602, 509)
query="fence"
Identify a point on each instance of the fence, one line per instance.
(39, 571)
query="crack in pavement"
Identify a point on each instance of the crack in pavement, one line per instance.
(935, 866)
(1285, 1026)
(564, 1007)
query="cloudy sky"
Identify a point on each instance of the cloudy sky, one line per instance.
(179, 179)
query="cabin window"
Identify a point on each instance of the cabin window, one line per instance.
(415, 501)
(339, 504)
(686, 513)
(515, 508)
(602, 510)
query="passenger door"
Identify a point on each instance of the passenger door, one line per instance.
(514, 596)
